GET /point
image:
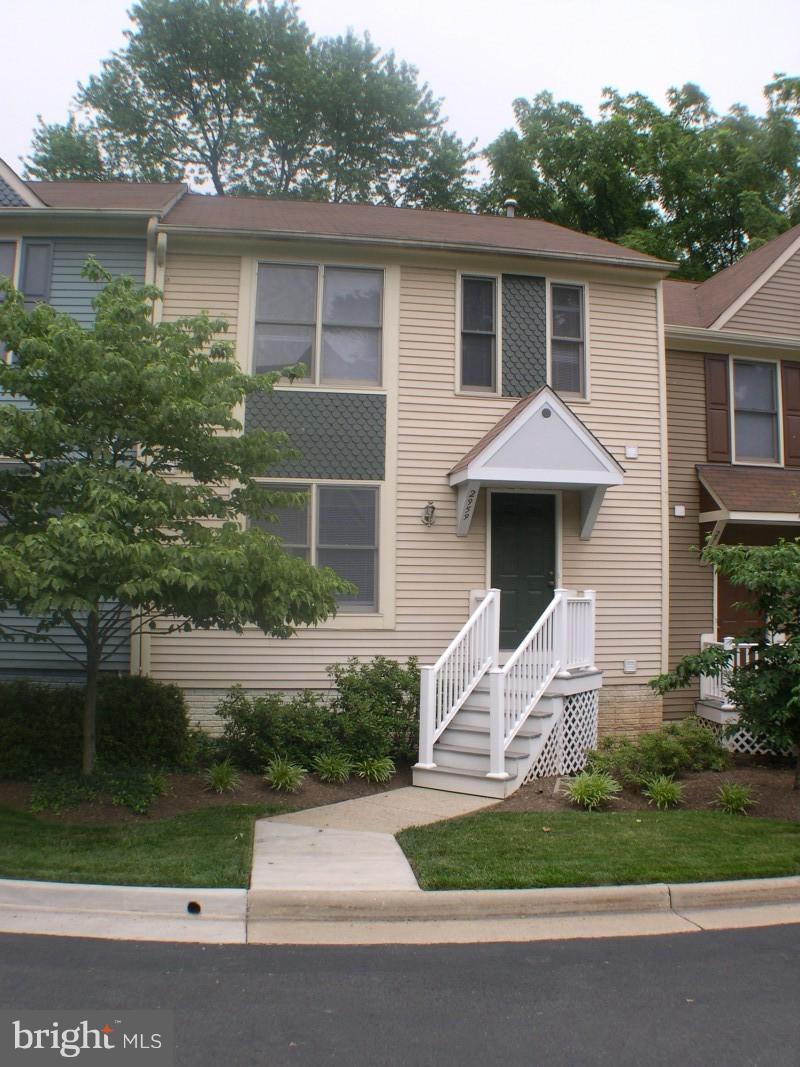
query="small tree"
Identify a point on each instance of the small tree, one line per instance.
(767, 690)
(124, 481)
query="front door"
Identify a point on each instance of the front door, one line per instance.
(523, 560)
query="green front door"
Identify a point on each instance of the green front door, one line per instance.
(523, 560)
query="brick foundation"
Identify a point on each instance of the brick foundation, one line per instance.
(629, 710)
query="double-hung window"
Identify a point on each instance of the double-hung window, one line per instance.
(478, 333)
(567, 339)
(755, 411)
(337, 528)
(328, 318)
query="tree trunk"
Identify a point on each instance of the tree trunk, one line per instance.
(796, 766)
(90, 700)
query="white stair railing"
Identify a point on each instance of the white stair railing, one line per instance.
(446, 685)
(716, 689)
(517, 687)
(580, 630)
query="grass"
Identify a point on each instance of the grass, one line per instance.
(210, 848)
(526, 850)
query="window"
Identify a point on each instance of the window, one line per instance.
(755, 411)
(478, 333)
(567, 341)
(8, 251)
(36, 268)
(344, 521)
(329, 318)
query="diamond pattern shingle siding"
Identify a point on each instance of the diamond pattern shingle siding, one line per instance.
(338, 435)
(524, 334)
(8, 198)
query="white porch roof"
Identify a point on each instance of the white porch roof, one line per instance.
(539, 443)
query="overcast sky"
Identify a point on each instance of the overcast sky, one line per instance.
(476, 54)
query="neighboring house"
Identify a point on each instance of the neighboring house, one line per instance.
(733, 397)
(486, 408)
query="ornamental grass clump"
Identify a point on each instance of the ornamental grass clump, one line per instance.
(663, 791)
(734, 798)
(333, 767)
(592, 789)
(377, 770)
(281, 774)
(221, 777)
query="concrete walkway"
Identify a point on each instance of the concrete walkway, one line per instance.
(347, 847)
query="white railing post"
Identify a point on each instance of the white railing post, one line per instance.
(427, 712)
(497, 725)
(494, 623)
(591, 596)
(561, 633)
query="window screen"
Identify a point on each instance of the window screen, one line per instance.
(755, 411)
(478, 333)
(36, 265)
(347, 540)
(567, 347)
(351, 325)
(292, 524)
(286, 312)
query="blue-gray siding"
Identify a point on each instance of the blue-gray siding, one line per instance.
(71, 293)
(524, 334)
(20, 658)
(337, 435)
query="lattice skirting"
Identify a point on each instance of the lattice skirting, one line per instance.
(741, 740)
(571, 737)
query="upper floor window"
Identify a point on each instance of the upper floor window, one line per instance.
(755, 411)
(8, 254)
(328, 318)
(36, 270)
(337, 528)
(478, 333)
(567, 339)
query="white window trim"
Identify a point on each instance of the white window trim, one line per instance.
(476, 390)
(315, 381)
(776, 363)
(570, 398)
(383, 617)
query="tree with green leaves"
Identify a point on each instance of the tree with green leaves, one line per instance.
(125, 480)
(682, 183)
(767, 690)
(246, 98)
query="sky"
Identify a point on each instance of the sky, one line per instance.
(478, 56)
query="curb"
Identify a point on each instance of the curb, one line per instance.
(143, 913)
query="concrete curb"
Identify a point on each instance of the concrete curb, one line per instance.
(143, 913)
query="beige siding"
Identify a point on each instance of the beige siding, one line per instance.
(691, 595)
(775, 308)
(196, 283)
(435, 570)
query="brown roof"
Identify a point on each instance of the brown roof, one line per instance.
(737, 488)
(692, 304)
(108, 196)
(497, 429)
(407, 225)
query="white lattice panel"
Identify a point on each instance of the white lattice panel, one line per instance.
(740, 740)
(572, 736)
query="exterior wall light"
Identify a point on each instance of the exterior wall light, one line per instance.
(429, 514)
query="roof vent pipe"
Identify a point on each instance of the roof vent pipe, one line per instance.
(511, 206)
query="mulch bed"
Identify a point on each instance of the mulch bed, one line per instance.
(185, 793)
(771, 781)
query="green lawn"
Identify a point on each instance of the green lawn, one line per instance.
(513, 850)
(209, 848)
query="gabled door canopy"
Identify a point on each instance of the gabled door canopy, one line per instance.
(540, 443)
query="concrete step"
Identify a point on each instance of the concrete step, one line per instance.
(474, 783)
(470, 757)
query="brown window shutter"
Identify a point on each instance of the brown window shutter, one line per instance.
(718, 403)
(790, 384)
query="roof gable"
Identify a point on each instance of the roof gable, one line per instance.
(14, 192)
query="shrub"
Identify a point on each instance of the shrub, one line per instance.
(258, 728)
(333, 767)
(377, 707)
(283, 775)
(675, 748)
(592, 789)
(140, 722)
(135, 789)
(221, 777)
(663, 791)
(734, 798)
(132, 788)
(56, 792)
(376, 769)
